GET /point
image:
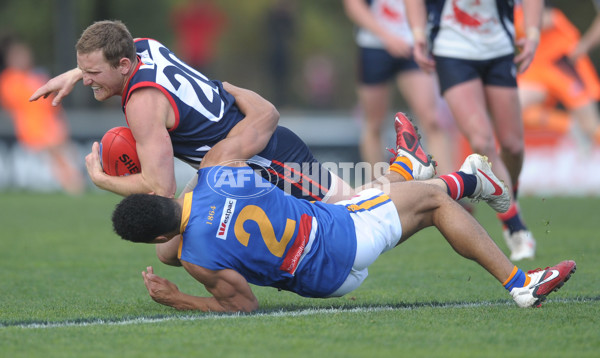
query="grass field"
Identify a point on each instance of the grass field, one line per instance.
(70, 288)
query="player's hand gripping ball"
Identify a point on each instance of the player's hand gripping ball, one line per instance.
(118, 154)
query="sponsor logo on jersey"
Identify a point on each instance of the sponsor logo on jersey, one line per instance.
(228, 210)
(146, 60)
(241, 182)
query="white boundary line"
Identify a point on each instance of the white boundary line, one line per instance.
(303, 312)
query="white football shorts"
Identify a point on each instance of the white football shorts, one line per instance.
(378, 230)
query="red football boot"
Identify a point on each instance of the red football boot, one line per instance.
(543, 282)
(408, 145)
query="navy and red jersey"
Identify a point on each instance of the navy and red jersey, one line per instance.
(205, 113)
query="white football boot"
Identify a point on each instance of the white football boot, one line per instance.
(489, 188)
(521, 244)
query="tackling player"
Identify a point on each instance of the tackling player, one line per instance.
(235, 232)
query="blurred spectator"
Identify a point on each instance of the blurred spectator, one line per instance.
(280, 23)
(198, 24)
(319, 78)
(39, 126)
(554, 78)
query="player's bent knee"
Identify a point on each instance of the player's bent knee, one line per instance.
(513, 149)
(483, 145)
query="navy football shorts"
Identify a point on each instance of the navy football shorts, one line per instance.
(289, 164)
(500, 71)
(378, 66)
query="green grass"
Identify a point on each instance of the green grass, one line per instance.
(62, 266)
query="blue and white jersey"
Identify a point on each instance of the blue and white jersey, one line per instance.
(471, 30)
(234, 219)
(204, 111)
(392, 16)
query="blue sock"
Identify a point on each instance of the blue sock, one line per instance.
(516, 279)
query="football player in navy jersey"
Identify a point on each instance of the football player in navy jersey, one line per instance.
(173, 111)
(236, 231)
(176, 111)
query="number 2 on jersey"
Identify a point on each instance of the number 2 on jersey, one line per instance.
(258, 215)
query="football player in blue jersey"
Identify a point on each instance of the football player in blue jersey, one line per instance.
(238, 230)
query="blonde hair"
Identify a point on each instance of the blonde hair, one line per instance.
(112, 37)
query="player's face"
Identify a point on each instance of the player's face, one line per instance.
(105, 80)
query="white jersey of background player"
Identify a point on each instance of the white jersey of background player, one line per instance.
(391, 15)
(472, 29)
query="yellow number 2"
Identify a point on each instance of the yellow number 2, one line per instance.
(258, 215)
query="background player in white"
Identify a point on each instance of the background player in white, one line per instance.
(385, 55)
(472, 44)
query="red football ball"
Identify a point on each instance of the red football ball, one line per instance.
(118, 153)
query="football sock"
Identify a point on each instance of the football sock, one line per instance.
(402, 166)
(511, 219)
(460, 184)
(517, 278)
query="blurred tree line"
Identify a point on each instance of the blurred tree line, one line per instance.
(316, 35)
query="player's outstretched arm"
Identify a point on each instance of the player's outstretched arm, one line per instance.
(231, 292)
(62, 85)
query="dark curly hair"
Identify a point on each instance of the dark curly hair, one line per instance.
(144, 217)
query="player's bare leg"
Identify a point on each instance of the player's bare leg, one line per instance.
(374, 100)
(421, 205)
(67, 173)
(420, 91)
(480, 130)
